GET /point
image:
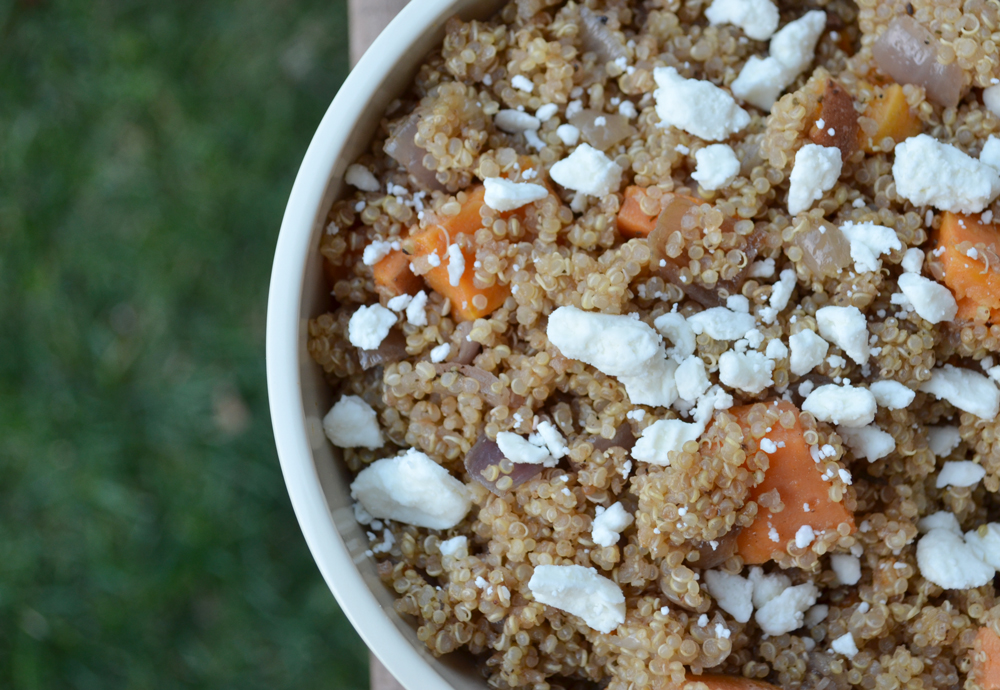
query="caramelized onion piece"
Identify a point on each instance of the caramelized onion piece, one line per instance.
(837, 113)
(623, 438)
(486, 455)
(485, 379)
(724, 548)
(674, 209)
(392, 349)
(401, 146)
(602, 136)
(825, 250)
(908, 52)
(597, 38)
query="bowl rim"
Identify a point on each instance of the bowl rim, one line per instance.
(284, 328)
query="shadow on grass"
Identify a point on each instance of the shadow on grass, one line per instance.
(146, 538)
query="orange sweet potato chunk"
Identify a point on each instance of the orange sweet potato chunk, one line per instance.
(796, 476)
(632, 222)
(986, 659)
(970, 280)
(893, 116)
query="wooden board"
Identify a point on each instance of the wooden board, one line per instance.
(366, 19)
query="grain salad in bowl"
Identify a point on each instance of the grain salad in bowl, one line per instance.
(662, 344)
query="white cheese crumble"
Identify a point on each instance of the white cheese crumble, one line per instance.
(960, 473)
(440, 353)
(891, 395)
(747, 371)
(519, 450)
(945, 559)
(503, 195)
(721, 323)
(991, 99)
(717, 166)
(399, 302)
(663, 437)
(761, 269)
(675, 328)
(522, 83)
(369, 326)
(846, 405)
(738, 303)
(786, 611)
(967, 390)
(545, 112)
(991, 151)
(757, 18)
(587, 170)
(731, 592)
(553, 440)
(816, 615)
(352, 423)
(913, 260)
(781, 293)
(415, 314)
(762, 80)
(776, 350)
(515, 122)
(691, 379)
(568, 134)
(939, 520)
(362, 178)
(804, 536)
(867, 442)
(943, 439)
(697, 107)
(767, 587)
(375, 252)
(627, 109)
(456, 264)
(985, 542)
(452, 547)
(846, 567)
(808, 351)
(931, 300)
(928, 172)
(581, 592)
(845, 645)
(618, 346)
(868, 242)
(846, 328)
(816, 170)
(608, 524)
(414, 489)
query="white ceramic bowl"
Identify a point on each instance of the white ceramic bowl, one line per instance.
(317, 483)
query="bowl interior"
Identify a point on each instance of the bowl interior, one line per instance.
(299, 395)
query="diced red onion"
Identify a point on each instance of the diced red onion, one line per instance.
(485, 379)
(597, 38)
(825, 250)
(614, 129)
(392, 349)
(485, 454)
(908, 52)
(402, 147)
(623, 438)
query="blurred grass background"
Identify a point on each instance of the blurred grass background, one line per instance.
(146, 153)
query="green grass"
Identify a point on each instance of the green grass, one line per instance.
(146, 153)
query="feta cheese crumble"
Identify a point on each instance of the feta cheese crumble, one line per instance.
(414, 489)
(786, 612)
(369, 326)
(697, 107)
(747, 371)
(867, 442)
(375, 252)
(757, 18)
(581, 592)
(663, 437)
(931, 300)
(440, 353)
(943, 439)
(731, 592)
(846, 328)
(721, 323)
(960, 473)
(522, 83)
(717, 166)
(691, 379)
(868, 242)
(545, 112)
(985, 542)
(846, 567)
(913, 260)
(515, 122)
(456, 264)
(415, 310)
(553, 440)
(362, 178)
(568, 134)
(845, 645)
(352, 423)
(928, 172)
(945, 559)
(816, 170)
(504, 195)
(519, 450)
(967, 390)
(608, 524)
(846, 405)
(452, 547)
(808, 351)
(587, 170)
(891, 395)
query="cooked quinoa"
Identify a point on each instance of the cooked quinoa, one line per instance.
(713, 549)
